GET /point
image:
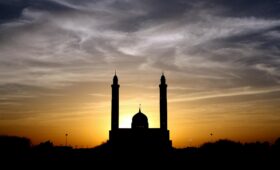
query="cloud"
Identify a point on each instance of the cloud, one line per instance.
(10, 10)
(256, 8)
(237, 92)
(164, 37)
(205, 45)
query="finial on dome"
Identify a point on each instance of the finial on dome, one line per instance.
(139, 108)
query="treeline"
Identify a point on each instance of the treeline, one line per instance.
(221, 152)
(231, 155)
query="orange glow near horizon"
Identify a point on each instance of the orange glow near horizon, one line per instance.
(87, 120)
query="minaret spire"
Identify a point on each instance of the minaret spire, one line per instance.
(115, 103)
(163, 102)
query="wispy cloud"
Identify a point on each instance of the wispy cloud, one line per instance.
(236, 92)
(203, 47)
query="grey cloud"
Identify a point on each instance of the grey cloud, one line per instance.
(13, 9)
(10, 10)
(248, 8)
(203, 45)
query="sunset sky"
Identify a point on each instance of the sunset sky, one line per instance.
(221, 60)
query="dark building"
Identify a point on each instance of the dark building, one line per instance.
(139, 138)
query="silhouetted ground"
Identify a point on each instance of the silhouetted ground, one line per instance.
(222, 154)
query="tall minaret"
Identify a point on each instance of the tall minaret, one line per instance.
(115, 104)
(163, 102)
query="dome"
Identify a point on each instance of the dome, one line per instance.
(140, 121)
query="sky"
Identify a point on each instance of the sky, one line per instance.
(221, 60)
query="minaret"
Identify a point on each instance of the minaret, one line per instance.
(115, 104)
(163, 102)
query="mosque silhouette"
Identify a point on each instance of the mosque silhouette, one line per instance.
(139, 138)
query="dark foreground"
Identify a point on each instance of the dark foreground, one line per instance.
(222, 154)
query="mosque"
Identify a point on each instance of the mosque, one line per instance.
(139, 138)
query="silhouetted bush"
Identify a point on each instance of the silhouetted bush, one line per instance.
(45, 145)
(276, 144)
(14, 147)
(14, 143)
(222, 148)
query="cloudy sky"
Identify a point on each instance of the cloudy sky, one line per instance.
(221, 60)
